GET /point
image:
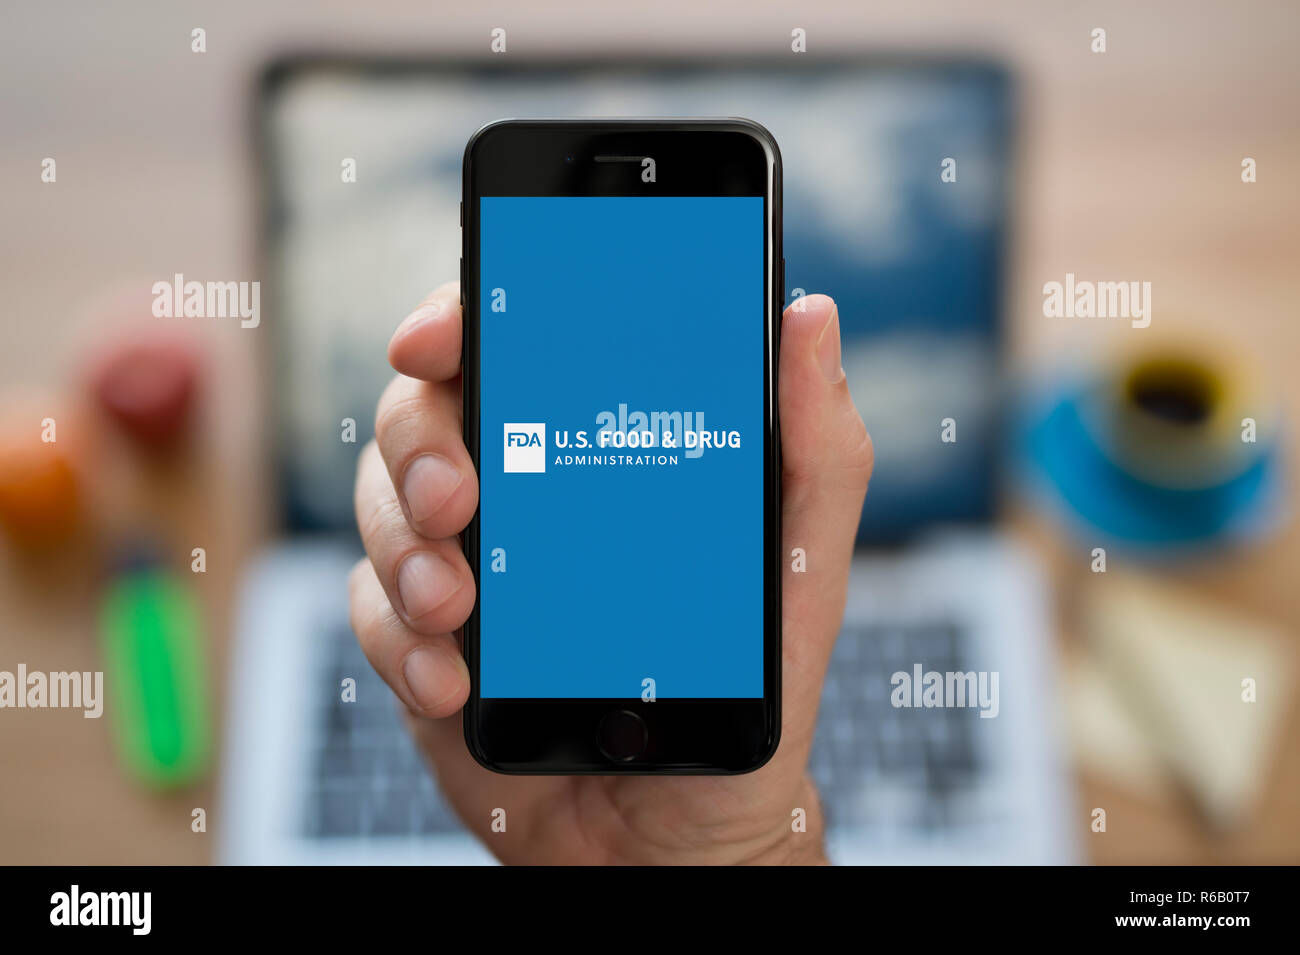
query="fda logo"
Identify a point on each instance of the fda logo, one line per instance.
(525, 448)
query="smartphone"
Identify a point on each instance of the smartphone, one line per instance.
(622, 282)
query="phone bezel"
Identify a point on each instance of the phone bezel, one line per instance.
(528, 158)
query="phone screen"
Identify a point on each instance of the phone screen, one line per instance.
(622, 416)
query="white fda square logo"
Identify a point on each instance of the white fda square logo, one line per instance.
(525, 448)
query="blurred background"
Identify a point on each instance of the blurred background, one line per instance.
(1099, 512)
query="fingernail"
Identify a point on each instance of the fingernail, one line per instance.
(828, 348)
(424, 313)
(424, 582)
(430, 676)
(429, 480)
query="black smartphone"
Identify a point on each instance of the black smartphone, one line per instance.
(622, 283)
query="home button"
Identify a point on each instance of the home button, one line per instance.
(622, 735)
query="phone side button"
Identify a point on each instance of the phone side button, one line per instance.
(462, 283)
(622, 735)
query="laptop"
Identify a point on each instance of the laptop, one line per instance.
(913, 260)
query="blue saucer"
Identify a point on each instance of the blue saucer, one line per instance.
(1107, 499)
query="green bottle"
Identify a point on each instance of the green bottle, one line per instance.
(155, 676)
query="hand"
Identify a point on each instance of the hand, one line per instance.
(416, 490)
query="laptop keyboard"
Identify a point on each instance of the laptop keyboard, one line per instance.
(883, 768)
(368, 779)
(877, 768)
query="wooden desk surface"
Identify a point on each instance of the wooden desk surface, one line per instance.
(1129, 168)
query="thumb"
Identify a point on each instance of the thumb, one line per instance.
(826, 463)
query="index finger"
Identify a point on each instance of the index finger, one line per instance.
(427, 343)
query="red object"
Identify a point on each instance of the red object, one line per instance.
(148, 388)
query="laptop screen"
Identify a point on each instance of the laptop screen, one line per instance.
(895, 204)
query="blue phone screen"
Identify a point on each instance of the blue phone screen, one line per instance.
(622, 424)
